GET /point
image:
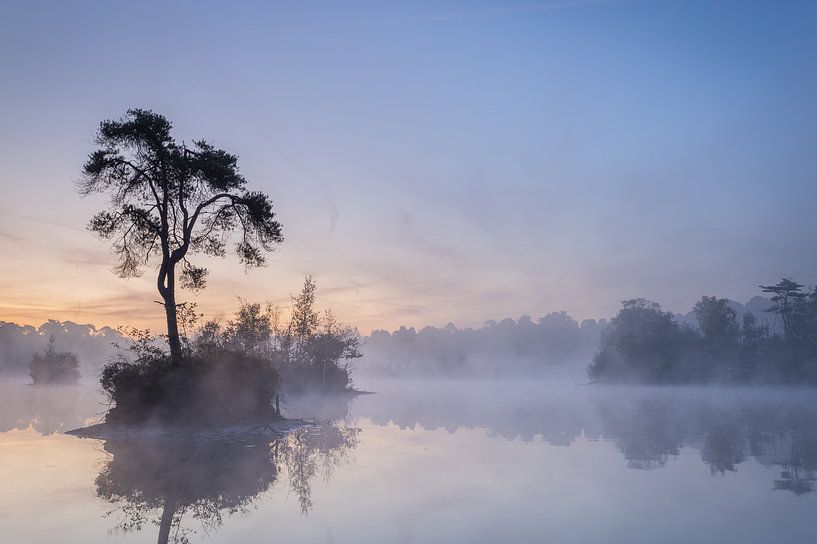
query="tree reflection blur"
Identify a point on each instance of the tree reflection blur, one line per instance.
(649, 426)
(162, 482)
(649, 432)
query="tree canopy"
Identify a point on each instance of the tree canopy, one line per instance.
(170, 200)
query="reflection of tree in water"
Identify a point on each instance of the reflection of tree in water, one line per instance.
(800, 471)
(315, 451)
(649, 426)
(724, 446)
(162, 482)
(647, 435)
(650, 431)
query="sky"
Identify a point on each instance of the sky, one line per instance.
(430, 162)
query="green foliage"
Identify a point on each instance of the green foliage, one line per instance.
(54, 366)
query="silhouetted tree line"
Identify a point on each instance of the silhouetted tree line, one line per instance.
(508, 347)
(646, 344)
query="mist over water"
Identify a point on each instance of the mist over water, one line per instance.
(429, 461)
(427, 272)
(92, 346)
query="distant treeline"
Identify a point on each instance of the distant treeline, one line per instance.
(552, 343)
(92, 346)
(768, 340)
(558, 345)
(645, 344)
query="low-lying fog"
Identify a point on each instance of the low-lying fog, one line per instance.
(429, 461)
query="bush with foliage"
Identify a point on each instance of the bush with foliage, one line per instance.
(311, 351)
(231, 373)
(225, 387)
(54, 366)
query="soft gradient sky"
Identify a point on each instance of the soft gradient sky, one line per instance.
(430, 161)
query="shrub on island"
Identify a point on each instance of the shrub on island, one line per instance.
(311, 350)
(54, 366)
(222, 388)
(231, 374)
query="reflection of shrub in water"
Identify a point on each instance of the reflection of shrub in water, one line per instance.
(208, 478)
(203, 478)
(315, 451)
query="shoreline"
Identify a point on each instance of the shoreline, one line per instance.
(227, 433)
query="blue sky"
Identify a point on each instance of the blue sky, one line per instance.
(430, 161)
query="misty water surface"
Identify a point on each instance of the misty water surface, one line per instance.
(422, 461)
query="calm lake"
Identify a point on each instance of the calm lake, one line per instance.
(423, 461)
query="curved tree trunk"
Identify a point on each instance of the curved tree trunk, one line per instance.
(169, 296)
(173, 329)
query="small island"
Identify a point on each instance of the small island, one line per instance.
(54, 366)
(168, 202)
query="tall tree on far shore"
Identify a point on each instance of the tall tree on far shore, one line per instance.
(717, 321)
(785, 294)
(169, 201)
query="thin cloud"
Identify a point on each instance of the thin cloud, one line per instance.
(407, 235)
